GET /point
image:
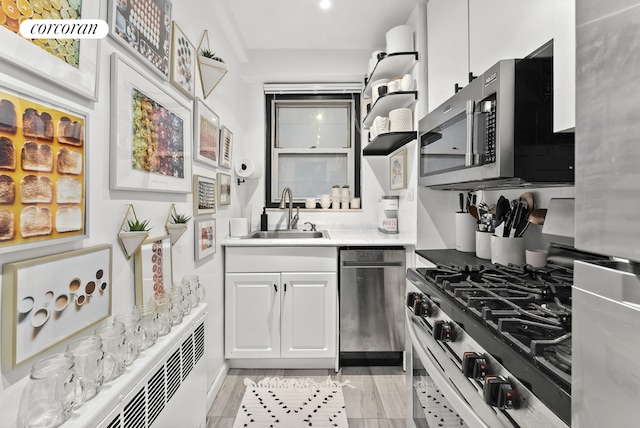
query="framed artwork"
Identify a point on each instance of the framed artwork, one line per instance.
(70, 64)
(224, 188)
(150, 136)
(205, 238)
(43, 177)
(398, 171)
(153, 269)
(183, 62)
(144, 28)
(207, 133)
(204, 195)
(226, 145)
(38, 314)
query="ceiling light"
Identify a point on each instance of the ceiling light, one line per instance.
(325, 4)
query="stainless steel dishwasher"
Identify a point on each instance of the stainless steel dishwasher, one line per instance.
(372, 281)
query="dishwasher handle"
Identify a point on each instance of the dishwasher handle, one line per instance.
(371, 265)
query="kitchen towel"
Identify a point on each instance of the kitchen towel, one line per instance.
(246, 168)
(292, 402)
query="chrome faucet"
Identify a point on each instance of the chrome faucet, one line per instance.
(292, 221)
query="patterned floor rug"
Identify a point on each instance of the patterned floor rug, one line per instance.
(292, 403)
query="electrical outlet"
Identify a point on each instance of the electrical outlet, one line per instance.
(410, 195)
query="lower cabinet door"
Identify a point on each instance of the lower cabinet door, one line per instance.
(252, 315)
(309, 325)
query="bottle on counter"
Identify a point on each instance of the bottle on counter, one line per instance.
(264, 220)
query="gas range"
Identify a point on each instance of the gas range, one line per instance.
(506, 328)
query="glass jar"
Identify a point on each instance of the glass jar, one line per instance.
(179, 297)
(149, 323)
(176, 300)
(133, 330)
(51, 392)
(91, 363)
(115, 342)
(197, 291)
(163, 308)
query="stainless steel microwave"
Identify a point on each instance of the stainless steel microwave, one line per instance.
(497, 130)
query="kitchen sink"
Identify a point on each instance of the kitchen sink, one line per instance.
(287, 234)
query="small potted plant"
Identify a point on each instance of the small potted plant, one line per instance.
(132, 234)
(176, 225)
(345, 192)
(335, 190)
(212, 70)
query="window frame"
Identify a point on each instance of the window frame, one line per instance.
(272, 199)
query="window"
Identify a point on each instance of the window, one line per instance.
(313, 143)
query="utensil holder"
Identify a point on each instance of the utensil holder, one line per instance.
(507, 250)
(483, 245)
(465, 232)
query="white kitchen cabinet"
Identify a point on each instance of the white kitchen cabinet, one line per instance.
(503, 29)
(564, 66)
(309, 315)
(252, 308)
(469, 36)
(281, 303)
(448, 48)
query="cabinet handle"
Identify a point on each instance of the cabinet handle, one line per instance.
(285, 287)
(275, 287)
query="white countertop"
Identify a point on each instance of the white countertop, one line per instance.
(338, 237)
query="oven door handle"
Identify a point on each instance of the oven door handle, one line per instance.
(469, 158)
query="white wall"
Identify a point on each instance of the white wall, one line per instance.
(107, 207)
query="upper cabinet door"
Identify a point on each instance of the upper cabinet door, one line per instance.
(504, 29)
(564, 66)
(448, 48)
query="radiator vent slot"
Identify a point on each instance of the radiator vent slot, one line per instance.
(187, 357)
(173, 374)
(115, 423)
(199, 342)
(134, 411)
(156, 394)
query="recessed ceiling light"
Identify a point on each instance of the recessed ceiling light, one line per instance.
(325, 4)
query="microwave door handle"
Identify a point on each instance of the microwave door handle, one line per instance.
(468, 157)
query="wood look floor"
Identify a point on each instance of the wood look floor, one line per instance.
(377, 401)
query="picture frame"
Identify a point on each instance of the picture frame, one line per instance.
(78, 72)
(37, 314)
(43, 178)
(165, 168)
(224, 188)
(204, 195)
(398, 170)
(226, 147)
(205, 238)
(153, 268)
(207, 134)
(183, 62)
(144, 31)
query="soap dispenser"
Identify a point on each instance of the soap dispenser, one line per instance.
(264, 220)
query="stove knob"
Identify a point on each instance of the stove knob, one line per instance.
(444, 331)
(499, 393)
(474, 365)
(417, 307)
(427, 309)
(410, 298)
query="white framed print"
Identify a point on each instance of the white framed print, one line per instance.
(70, 64)
(151, 134)
(144, 28)
(205, 239)
(226, 146)
(207, 134)
(224, 188)
(183, 62)
(153, 268)
(204, 195)
(398, 170)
